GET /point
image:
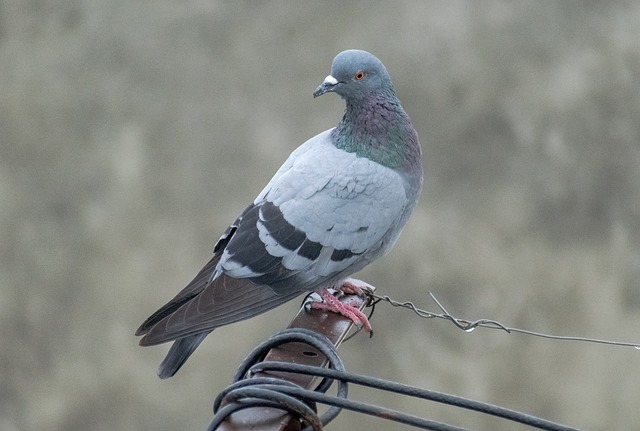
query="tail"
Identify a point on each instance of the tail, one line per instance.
(179, 353)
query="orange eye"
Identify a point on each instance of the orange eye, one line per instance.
(360, 75)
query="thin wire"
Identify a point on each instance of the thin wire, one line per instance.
(470, 325)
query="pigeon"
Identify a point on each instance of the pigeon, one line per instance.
(337, 204)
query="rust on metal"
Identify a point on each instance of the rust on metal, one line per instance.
(333, 326)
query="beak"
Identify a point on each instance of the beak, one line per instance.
(327, 86)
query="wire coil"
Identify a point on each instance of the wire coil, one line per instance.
(249, 390)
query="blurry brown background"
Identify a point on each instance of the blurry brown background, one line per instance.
(132, 133)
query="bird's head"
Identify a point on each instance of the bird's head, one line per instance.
(355, 74)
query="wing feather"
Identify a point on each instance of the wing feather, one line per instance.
(324, 215)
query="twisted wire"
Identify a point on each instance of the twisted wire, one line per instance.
(469, 325)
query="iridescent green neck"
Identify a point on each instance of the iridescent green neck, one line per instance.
(379, 130)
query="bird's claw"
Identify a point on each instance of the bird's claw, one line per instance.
(329, 301)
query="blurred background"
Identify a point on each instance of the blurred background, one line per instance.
(132, 133)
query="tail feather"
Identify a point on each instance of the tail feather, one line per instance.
(179, 353)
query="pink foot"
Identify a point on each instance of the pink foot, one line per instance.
(331, 303)
(351, 288)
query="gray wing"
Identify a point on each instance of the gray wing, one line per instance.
(325, 215)
(327, 211)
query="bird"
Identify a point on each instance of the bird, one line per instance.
(339, 202)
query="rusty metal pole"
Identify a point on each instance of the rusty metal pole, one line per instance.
(333, 326)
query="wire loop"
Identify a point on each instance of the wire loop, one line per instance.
(252, 390)
(248, 390)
